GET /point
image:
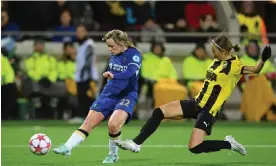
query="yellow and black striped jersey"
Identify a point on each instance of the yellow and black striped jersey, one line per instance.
(221, 79)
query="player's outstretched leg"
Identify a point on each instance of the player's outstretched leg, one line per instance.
(115, 123)
(198, 145)
(168, 111)
(92, 120)
(203, 127)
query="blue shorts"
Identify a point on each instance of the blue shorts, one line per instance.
(107, 105)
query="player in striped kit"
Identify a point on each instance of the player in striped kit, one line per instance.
(221, 79)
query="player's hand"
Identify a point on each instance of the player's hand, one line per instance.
(266, 54)
(108, 75)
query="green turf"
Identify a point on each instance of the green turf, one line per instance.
(18, 133)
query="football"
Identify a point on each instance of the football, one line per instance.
(40, 144)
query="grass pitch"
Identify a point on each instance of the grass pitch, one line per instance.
(167, 147)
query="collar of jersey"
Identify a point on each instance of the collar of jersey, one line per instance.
(233, 58)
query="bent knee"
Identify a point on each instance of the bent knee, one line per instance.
(194, 148)
(113, 126)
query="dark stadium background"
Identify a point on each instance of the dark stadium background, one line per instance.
(146, 23)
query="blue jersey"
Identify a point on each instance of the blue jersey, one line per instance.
(125, 68)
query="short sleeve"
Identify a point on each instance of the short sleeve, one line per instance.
(237, 67)
(136, 60)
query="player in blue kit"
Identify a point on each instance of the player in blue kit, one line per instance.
(118, 98)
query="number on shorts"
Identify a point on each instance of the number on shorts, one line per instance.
(125, 102)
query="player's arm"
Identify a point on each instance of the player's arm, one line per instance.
(266, 54)
(129, 72)
(254, 69)
(133, 66)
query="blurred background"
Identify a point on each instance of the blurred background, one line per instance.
(41, 42)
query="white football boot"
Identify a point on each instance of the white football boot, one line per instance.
(235, 146)
(128, 145)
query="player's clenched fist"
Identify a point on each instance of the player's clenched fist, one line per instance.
(108, 75)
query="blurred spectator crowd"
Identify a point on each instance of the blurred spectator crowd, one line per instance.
(143, 16)
(147, 17)
(44, 85)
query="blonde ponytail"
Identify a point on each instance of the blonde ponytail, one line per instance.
(236, 48)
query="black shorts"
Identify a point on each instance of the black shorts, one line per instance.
(204, 120)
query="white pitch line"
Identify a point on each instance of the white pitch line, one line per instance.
(144, 146)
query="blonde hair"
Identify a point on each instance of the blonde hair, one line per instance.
(119, 37)
(224, 44)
